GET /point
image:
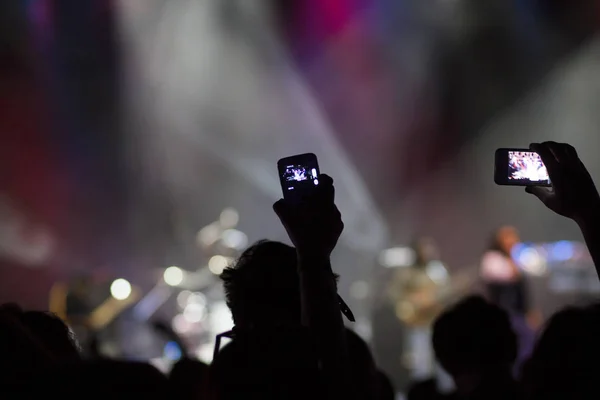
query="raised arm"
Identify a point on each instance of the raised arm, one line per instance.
(573, 193)
(315, 227)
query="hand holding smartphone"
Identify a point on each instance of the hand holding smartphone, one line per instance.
(520, 167)
(299, 176)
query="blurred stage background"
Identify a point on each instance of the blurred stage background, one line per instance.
(128, 126)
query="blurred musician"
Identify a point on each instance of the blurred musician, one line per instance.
(506, 286)
(87, 307)
(420, 293)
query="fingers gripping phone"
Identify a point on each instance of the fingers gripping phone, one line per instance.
(520, 167)
(299, 176)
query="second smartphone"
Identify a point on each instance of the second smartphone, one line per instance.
(520, 167)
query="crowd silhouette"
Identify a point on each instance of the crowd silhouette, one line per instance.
(289, 339)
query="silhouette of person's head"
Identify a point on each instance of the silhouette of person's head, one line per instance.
(53, 334)
(48, 330)
(270, 352)
(564, 363)
(474, 342)
(187, 379)
(263, 288)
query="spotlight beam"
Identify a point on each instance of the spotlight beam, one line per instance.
(216, 88)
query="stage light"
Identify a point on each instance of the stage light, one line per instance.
(120, 289)
(180, 324)
(563, 251)
(532, 262)
(173, 276)
(437, 272)
(194, 313)
(208, 235)
(197, 298)
(220, 318)
(235, 239)
(182, 298)
(517, 249)
(397, 257)
(229, 218)
(172, 351)
(186, 298)
(217, 264)
(205, 351)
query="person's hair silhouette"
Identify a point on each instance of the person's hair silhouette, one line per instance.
(263, 288)
(270, 351)
(564, 363)
(56, 337)
(475, 343)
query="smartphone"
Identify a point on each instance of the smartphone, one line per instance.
(299, 176)
(520, 167)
